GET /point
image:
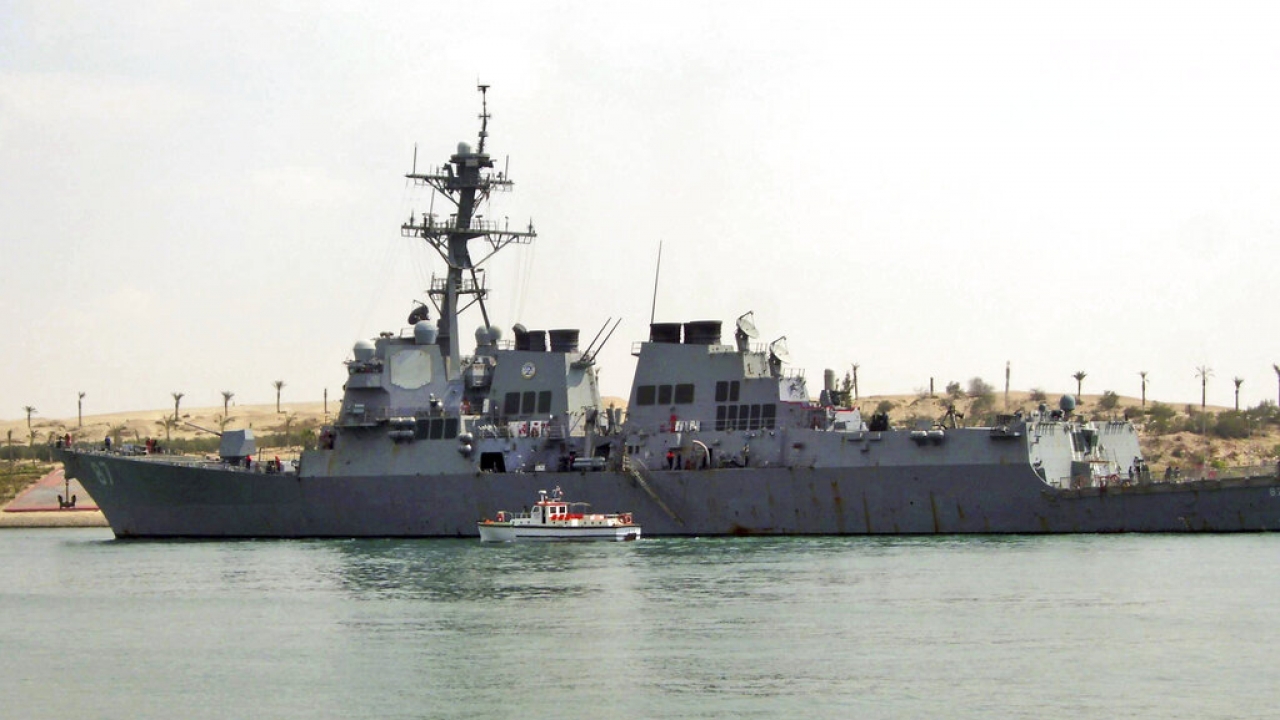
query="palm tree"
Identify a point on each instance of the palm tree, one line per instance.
(279, 384)
(31, 435)
(177, 399)
(1277, 369)
(226, 400)
(80, 410)
(1143, 373)
(1080, 376)
(855, 380)
(1006, 383)
(1238, 381)
(168, 423)
(1204, 372)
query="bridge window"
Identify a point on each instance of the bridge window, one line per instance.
(436, 428)
(511, 404)
(544, 402)
(755, 418)
(664, 394)
(684, 393)
(528, 402)
(768, 416)
(720, 415)
(646, 394)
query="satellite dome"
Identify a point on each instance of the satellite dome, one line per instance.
(1067, 403)
(464, 149)
(424, 333)
(363, 351)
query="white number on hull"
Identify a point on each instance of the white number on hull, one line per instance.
(102, 473)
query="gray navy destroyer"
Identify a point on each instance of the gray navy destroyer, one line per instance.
(718, 438)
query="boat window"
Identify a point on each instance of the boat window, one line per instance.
(684, 393)
(733, 391)
(528, 402)
(437, 428)
(722, 390)
(511, 405)
(645, 394)
(450, 428)
(664, 394)
(768, 415)
(755, 417)
(544, 401)
(731, 422)
(720, 413)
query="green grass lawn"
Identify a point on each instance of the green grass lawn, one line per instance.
(14, 478)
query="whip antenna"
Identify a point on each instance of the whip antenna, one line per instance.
(654, 309)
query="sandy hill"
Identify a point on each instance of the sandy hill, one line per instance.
(134, 426)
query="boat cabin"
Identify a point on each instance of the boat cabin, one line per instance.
(551, 507)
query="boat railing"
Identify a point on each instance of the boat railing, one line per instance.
(487, 429)
(721, 348)
(1232, 472)
(440, 284)
(430, 224)
(372, 416)
(500, 428)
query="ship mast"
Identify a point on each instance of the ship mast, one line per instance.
(466, 181)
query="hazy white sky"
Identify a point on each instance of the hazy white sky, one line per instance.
(201, 196)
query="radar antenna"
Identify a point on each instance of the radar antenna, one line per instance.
(746, 330)
(466, 180)
(484, 116)
(778, 351)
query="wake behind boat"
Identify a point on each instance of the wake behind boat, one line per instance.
(553, 518)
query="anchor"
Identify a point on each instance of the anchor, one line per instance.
(63, 503)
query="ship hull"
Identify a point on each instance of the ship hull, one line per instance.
(149, 499)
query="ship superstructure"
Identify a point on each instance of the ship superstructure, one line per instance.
(506, 406)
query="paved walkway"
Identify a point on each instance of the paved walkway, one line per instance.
(37, 506)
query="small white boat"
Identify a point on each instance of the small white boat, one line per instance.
(554, 518)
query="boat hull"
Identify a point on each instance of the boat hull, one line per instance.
(142, 498)
(506, 532)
